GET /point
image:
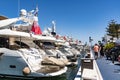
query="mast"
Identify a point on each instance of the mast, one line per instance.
(54, 26)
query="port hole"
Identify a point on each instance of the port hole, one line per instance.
(12, 66)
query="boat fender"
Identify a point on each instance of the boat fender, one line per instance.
(26, 71)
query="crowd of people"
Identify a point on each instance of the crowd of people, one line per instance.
(112, 53)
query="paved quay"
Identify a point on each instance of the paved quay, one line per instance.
(109, 71)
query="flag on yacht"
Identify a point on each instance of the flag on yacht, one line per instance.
(57, 36)
(64, 37)
(36, 28)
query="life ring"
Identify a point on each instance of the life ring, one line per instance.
(26, 71)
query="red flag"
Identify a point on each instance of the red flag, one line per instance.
(57, 36)
(76, 41)
(36, 28)
(65, 38)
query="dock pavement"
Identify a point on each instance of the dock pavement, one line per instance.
(109, 70)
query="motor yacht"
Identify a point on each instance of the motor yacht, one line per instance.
(20, 60)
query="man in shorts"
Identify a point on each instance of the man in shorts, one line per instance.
(96, 50)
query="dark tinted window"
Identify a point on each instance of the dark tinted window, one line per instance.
(22, 44)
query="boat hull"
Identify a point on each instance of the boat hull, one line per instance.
(34, 75)
(12, 65)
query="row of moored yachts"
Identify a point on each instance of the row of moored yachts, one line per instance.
(26, 52)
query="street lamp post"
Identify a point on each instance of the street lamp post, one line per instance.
(90, 41)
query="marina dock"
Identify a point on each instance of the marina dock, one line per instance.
(109, 70)
(104, 68)
(89, 69)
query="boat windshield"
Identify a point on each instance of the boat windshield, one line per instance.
(22, 44)
(63, 50)
(48, 45)
(45, 45)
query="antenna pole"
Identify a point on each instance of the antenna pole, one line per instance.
(18, 7)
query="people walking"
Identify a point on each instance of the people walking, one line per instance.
(101, 50)
(96, 50)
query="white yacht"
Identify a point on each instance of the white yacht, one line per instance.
(66, 51)
(20, 60)
(47, 44)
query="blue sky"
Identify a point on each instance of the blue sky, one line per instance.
(76, 18)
